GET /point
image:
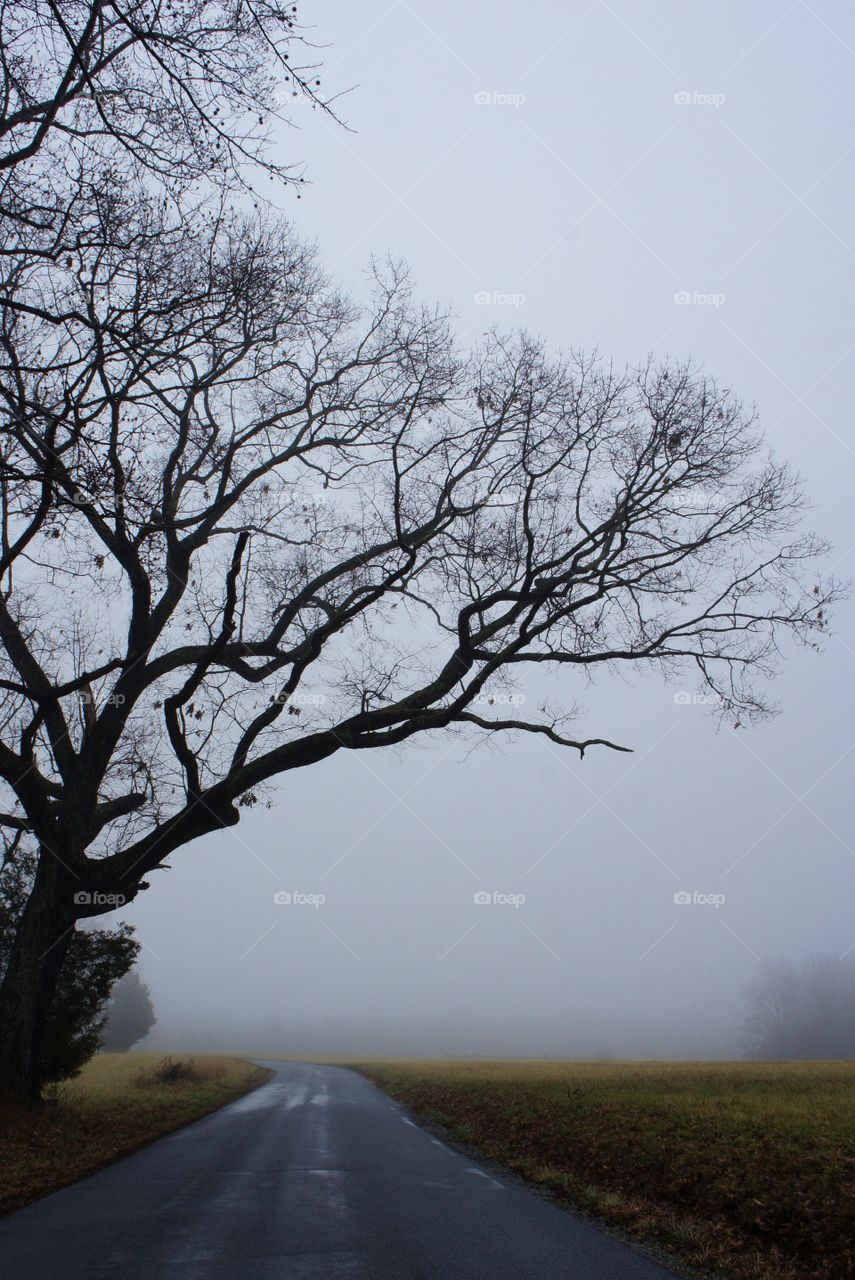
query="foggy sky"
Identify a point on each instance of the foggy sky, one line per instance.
(620, 155)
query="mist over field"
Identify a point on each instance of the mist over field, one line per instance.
(658, 179)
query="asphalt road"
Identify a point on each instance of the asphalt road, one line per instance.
(315, 1176)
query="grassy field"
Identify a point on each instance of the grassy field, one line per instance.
(119, 1102)
(745, 1170)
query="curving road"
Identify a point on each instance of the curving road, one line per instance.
(315, 1176)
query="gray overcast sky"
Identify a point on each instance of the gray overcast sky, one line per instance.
(587, 168)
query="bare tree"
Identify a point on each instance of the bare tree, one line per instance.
(224, 485)
(111, 109)
(107, 103)
(246, 524)
(767, 1031)
(177, 91)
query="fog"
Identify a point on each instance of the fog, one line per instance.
(669, 178)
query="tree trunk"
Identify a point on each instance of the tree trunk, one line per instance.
(35, 961)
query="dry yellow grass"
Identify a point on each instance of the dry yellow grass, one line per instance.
(116, 1105)
(746, 1170)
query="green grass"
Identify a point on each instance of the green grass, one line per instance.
(115, 1106)
(745, 1170)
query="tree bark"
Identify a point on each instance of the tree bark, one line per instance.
(35, 961)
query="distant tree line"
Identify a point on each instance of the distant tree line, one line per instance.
(802, 1011)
